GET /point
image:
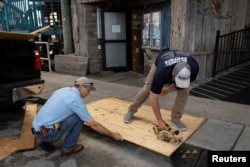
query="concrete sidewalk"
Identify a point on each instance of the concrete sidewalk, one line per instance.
(227, 127)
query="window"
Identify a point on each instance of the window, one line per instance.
(155, 31)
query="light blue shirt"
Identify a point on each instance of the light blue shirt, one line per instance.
(63, 103)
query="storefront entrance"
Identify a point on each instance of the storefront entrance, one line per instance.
(115, 41)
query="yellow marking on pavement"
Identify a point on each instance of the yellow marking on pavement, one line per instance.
(184, 156)
(195, 151)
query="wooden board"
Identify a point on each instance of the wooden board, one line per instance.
(110, 112)
(26, 141)
(16, 36)
(41, 30)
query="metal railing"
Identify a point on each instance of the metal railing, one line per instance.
(231, 49)
(29, 15)
(47, 54)
(23, 15)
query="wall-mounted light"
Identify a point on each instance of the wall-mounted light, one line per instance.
(94, 15)
(94, 12)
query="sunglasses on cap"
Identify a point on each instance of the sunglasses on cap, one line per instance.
(91, 84)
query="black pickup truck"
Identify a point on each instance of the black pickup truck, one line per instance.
(20, 65)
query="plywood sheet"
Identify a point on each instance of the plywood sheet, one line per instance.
(16, 36)
(110, 112)
(26, 141)
(41, 30)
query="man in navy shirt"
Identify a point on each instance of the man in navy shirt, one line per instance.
(63, 115)
(173, 70)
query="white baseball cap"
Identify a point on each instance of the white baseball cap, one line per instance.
(85, 82)
(182, 72)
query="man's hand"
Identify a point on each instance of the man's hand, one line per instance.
(103, 130)
(162, 125)
(117, 136)
(164, 91)
(168, 89)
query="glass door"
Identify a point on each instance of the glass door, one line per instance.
(115, 40)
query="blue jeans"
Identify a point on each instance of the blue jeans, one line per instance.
(71, 126)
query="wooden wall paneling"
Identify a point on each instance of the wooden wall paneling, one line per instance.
(191, 32)
(208, 32)
(177, 28)
(247, 20)
(225, 25)
(199, 15)
(239, 14)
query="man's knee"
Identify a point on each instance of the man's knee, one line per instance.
(74, 119)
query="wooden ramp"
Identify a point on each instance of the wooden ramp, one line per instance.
(16, 36)
(26, 141)
(110, 112)
(23, 36)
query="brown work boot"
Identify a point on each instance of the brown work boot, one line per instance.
(77, 148)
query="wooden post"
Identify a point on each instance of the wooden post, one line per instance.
(66, 23)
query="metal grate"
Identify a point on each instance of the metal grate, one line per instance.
(231, 87)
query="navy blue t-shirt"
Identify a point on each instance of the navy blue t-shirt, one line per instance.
(165, 63)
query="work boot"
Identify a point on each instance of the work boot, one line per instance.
(128, 117)
(179, 125)
(78, 148)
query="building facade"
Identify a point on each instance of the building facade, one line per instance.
(123, 35)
